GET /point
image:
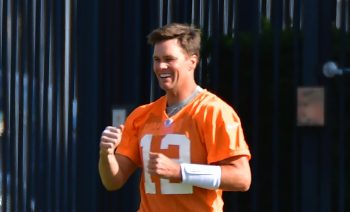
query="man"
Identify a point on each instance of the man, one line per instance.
(189, 143)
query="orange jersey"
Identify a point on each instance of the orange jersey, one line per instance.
(205, 131)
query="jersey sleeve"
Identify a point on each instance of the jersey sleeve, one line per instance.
(223, 133)
(129, 145)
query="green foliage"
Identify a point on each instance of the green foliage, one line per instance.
(246, 54)
(265, 69)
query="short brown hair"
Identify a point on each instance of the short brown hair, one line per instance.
(188, 36)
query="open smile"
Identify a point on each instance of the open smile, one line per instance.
(163, 76)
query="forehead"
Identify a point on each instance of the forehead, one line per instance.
(168, 47)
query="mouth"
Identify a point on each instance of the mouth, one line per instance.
(164, 76)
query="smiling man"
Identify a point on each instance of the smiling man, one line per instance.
(189, 143)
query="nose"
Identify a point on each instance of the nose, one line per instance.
(161, 65)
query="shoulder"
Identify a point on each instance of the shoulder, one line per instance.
(210, 105)
(210, 101)
(141, 112)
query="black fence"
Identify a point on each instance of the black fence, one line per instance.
(65, 65)
(39, 105)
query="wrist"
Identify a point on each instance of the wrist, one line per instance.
(204, 176)
(107, 152)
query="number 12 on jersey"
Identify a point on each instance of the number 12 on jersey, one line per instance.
(166, 187)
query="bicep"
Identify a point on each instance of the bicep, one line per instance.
(237, 161)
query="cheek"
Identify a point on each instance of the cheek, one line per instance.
(155, 67)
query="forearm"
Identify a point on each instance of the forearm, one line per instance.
(226, 177)
(109, 172)
(232, 174)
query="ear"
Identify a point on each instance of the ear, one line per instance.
(194, 61)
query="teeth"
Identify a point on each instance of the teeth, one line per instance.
(165, 75)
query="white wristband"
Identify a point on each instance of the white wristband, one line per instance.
(204, 176)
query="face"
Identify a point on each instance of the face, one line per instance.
(172, 65)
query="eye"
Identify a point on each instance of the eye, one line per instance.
(156, 60)
(170, 59)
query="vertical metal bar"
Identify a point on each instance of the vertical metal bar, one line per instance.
(195, 21)
(2, 12)
(32, 8)
(36, 105)
(255, 104)
(74, 106)
(291, 12)
(326, 164)
(230, 15)
(277, 16)
(2, 140)
(327, 141)
(43, 199)
(11, 105)
(169, 14)
(2, 111)
(15, 105)
(161, 12)
(236, 58)
(60, 61)
(200, 25)
(193, 13)
(309, 145)
(215, 30)
(153, 82)
(268, 9)
(2, 87)
(19, 106)
(284, 14)
(341, 89)
(201, 13)
(151, 75)
(341, 149)
(67, 70)
(347, 16)
(52, 106)
(210, 17)
(338, 13)
(225, 8)
(49, 105)
(295, 142)
(25, 112)
(6, 57)
(57, 37)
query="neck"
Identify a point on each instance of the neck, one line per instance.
(175, 97)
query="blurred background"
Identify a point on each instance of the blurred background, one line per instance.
(69, 68)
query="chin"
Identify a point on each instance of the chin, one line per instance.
(165, 87)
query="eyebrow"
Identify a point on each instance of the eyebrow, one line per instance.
(165, 56)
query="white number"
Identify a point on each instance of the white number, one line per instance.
(184, 157)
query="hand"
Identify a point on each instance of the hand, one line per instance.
(164, 167)
(110, 139)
